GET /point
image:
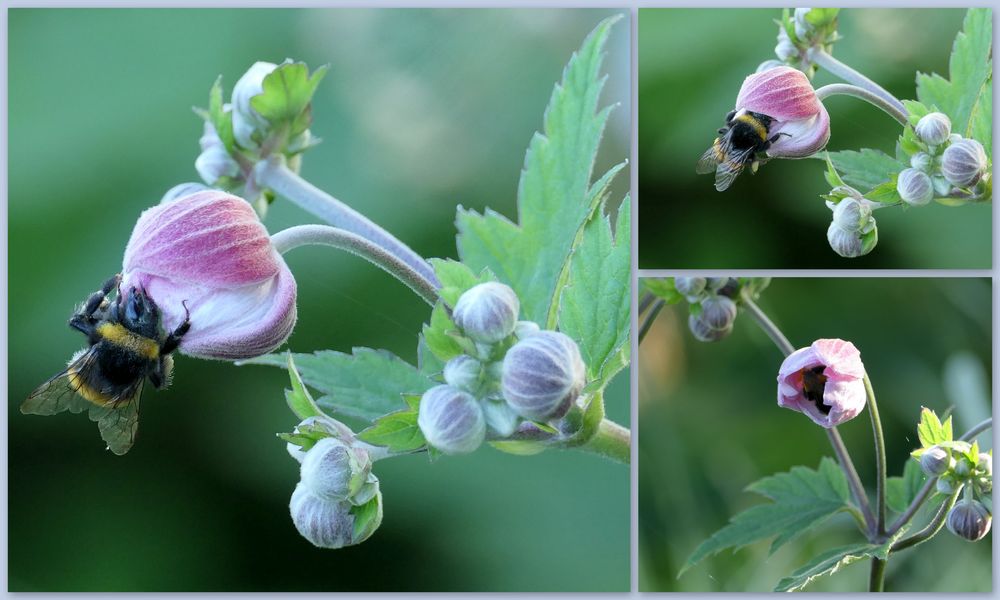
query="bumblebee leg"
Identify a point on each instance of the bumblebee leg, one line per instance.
(95, 299)
(174, 339)
(160, 377)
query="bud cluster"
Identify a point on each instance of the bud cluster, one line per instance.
(336, 479)
(802, 31)
(853, 231)
(713, 311)
(958, 465)
(511, 371)
(944, 164)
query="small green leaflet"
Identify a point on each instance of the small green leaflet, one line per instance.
(865, 169)
(364, 385)
(900, 491)
(441, 335)
(802, 499)
(288, 91)
(595, 308)
(662, 288)
(298, 398)
(555, 196)
(456, 278)
(971, 71)
(930, 430)
(398, 431)
(832, 561)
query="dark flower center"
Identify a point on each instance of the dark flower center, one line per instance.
(813, 382)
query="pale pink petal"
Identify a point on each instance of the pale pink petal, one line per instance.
(782, 93)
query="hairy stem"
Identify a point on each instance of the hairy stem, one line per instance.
(843, 457)
(876, 582)
(925, 491)
(839, 69)
(843, 89)
(305, 235)
(647, 321)
(932, 528)
(880, 467)
(273, 174)
(610, 441)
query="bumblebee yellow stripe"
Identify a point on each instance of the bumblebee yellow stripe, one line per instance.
(89, 394)
(758, 128)
(118, 335)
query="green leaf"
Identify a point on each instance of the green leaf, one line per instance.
(221, 120)
(554, 193)
(595, 308)
(365, 385)
(981, 120)
(441, 335)
(396, 431)
(900, 491)
(802, 499)
(885, 193)
(865, 169)
(915, 110)
(298, 398)
(456, 278)
(970, 69)
(288, 91)
(662, 288)
(831, 561)
(930, 430)
(832, 176)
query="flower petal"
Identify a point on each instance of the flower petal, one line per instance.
(782, 93)
(805, 137)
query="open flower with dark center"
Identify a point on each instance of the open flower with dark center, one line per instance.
(797, 117)
(208, 255)
(824, 381)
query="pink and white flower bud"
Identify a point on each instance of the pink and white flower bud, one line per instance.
(245, 119)
(786, 95)
(210, 252)
(824, 381)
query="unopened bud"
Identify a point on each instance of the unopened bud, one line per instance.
(690, 287)
(969, 520)
(935, 461)
(802, 26)
(922, 162)
(718, 312)
(500, 417)
(915, 187)
(542, 375)
(985, 464)
(851, 214)
(963, 162)
(487, 312)
(962, 467)
(704, 332)
(335, 471)
(464, 372)
(331, 524)
(451, 420)
(852, 244)
(524, 329)
(934, 128)
(246, 120)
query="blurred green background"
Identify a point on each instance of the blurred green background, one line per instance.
(709, 425)
(422, 110)
(691, 65)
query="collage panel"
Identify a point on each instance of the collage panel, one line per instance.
(433, 397)
(815, 138)
(758, 459)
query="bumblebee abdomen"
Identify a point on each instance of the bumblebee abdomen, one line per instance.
(115, 334)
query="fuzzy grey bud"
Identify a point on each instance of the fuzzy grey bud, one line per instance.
(718, 312)
(935, 461)
(922, 162)
(802, 26)
(214, 162)
(851, 214)
(451, 420)
(335, 471)
(963, 163)
(933, 128)
(915, 187)
(500, 417)
(524, 329)
(331, 524)
(246, 120)
(714, 284)
(690, 287)
(542, 375)
(703, 332)
(464, 372)
(969, 520)
(487, 312)
(852, 244)
(962, 467)
(985, 464)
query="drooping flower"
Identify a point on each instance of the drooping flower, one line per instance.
(798, 117)
(825, 381)
(208, 255)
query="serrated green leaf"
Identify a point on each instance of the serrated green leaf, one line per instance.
(802, 499)
(364, 385)
(595, 308)
(439, 335)
(662, 288)
(299, 399)
(396, 431)
(900, 491)
(456, 278)
(915, 110)
(831, 561)
(930, 430)
(970, 70)
(288, 91)
(865, 169)
(885, 193)
(981, 120)
(552, 193)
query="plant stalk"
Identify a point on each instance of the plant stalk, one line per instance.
(880, 463)
(611, 440)
(305, 235)
(647, 321)
(844, 89)
(932, 528)
(876, 582)
(273, 174)
(839, 69)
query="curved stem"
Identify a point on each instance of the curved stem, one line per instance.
(273, 174)
(932, 528)
(610, 441)
(839, 69)
(647, 321)
(925, 491)
(304, 235)
(843, 89)
(843, 457)
(880, 467)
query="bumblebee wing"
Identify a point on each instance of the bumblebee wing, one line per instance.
(708, 161)
(118, 420)
(728, 170)
(59, 393)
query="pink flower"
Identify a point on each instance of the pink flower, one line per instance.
(210, 252)
(825, 381)
(785, 95)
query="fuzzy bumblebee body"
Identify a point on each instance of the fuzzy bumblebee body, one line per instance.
(744, 137)
(125, 348)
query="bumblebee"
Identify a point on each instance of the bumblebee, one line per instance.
(813, 383)
(738, 144)
(125, 347)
